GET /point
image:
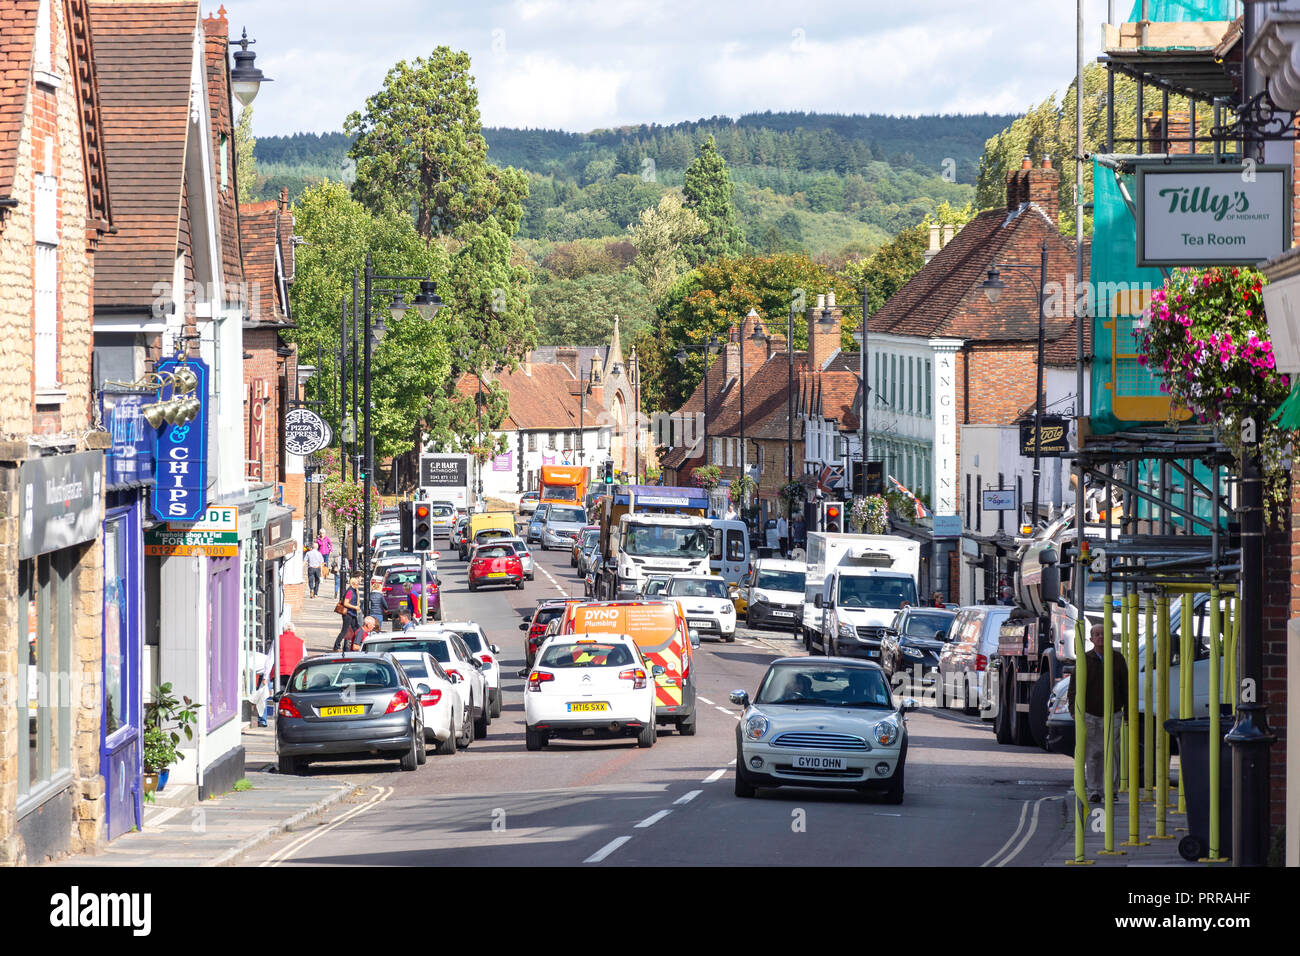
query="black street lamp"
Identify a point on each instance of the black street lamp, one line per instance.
(427, 304)
(993, 287)
(585, 381)
(709, 347)
(246, 79)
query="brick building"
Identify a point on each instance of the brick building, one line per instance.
(54, 209)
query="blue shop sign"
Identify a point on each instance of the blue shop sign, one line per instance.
(131, 457)
(182, 469)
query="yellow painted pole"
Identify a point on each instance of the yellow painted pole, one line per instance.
(1149, 718)
(1162, 737)
(1123, 736)
(1215, 736)
(1080, 742)
(1186, 656)
(1230, 652)
(1108, 724)
(1133, 724)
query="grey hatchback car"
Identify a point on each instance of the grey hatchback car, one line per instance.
(349, 707)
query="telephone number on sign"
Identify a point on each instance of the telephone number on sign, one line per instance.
(208, 550)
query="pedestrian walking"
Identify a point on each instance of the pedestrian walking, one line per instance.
(292, 650)
(1094, 756)
(349, 608)
(404, 619)
(324, 545)
(368, 627)
(800, 530)
(783, 536)
(314, 561)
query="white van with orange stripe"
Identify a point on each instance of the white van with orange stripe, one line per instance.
(659, 629)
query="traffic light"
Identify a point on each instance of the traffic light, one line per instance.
(423, 530)
(406, 525)
(609, 471)
(832, 516)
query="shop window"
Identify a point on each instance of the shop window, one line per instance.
(45, 678)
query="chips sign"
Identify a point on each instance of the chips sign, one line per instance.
(215, 536)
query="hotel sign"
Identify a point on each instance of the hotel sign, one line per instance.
(182, 455)
(1194, 214)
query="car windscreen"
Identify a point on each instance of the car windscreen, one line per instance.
(567, 515)
(403, 578)
(697, 588)
(877, 592)
(589, 538)
(927, 623)
(494, 551)
(545, 615)
(471, 639)
(434, 647)
(780, 580)
(651, 540)
(592, 654)
(824, 685)
(440, 512)
(337, 675)
(414, 668)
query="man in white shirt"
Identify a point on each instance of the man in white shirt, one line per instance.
(783, 535)
(315, 561)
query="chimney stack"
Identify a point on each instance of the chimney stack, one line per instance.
(1040, 186)
(568, 357)
(1161, 139)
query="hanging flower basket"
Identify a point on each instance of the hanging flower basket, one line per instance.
(741, 489)
(870, 515)
(1206, 335)
(707, 476)
(345, 500)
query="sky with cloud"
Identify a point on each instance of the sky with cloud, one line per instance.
(587, 64)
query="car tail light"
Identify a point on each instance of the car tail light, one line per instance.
(287, 708)
(401, 700)
(537, 678)
(981, 662)
(636, 675)
(485, 658)
(388, 590)
(431, 699)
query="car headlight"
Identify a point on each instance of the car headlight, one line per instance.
(728, 609)
(1058, 704)
(886, 732)
(912, 651)
(755, 726)
(847, 630)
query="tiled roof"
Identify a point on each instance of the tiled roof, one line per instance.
(765, 401)
(17, 29)
(261, 226)
(545, 399)
(144, 53)
(217, 62)
(944, 298)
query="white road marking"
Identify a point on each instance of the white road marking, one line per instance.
(557, 584)
(606, 850)
(687, 798)
(381, 794)
(704, 700)
(1033, 825)
(1024, 809)
(721, 708)
(652, 819)
(715, 776)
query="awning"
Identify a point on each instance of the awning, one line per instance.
(279, 541)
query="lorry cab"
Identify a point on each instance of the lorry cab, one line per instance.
(729, 549)
(660, 631)
(858, 605)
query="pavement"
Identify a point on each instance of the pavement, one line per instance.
(179, 831)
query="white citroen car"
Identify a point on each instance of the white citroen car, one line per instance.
(706, 602)
(590, 686)
(822, 722)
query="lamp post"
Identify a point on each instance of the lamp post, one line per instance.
(993, 287)
(246, 79)
(427, 304)
(585, 381)
(757, 336)
(634, 371)
(709, 348)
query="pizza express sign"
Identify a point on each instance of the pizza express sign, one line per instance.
(1198, 215)
(181, 472)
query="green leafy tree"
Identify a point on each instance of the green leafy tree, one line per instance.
(581, 311)
(411, 364)
(245, 162)
(716, 295)
(708, 192)
(419, 146)
(661, 237)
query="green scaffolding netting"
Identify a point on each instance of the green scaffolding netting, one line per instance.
(1186, 11)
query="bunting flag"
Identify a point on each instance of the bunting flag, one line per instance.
(920, 508)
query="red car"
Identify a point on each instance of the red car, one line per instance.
(495, 564)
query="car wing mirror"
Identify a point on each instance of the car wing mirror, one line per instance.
(740, 698)
(523, 626)
(909, 705)
(657, 670)
(817, 601)
(422, 689)
(494, 649)
(695, 638)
